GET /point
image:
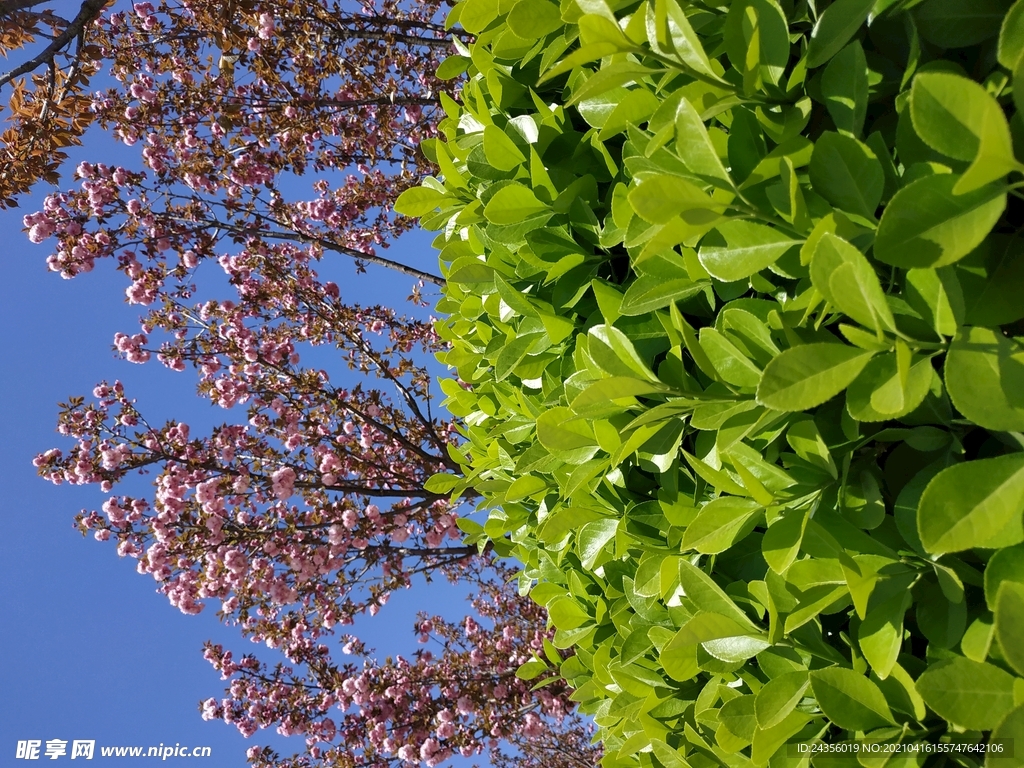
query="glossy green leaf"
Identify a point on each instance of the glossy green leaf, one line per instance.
(730, 363)
(928, 225)
(849, 699)
(781, 543)
(737, 249)
(659, 199)
(779, 697)
(808, 375)
(834, 29)
(1009, 730)
(650, 292)
(593, 538)
(532, 19)
(844, 84)
(954, 24)
(978, 503)
(560, 430)
(1006, 565)
(1011, 37)
(512, 204)
(936, 295)
(757, 41)
(880, 635)
(524, 486)
(418, 201)
(695, 148)
(846, 173)
(1009, 616)
(843, 275)
(720, 524)
(565, 613)
(957, 117)
(967, 693)
(615, 388)
(880, 374)
(501, 151)
(985, 378)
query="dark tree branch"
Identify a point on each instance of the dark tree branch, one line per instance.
(89, 11)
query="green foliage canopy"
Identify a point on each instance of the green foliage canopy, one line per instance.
(732, 296)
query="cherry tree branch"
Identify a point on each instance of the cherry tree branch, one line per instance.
(89, 11)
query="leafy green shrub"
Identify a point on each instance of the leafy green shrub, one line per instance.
(732, 288)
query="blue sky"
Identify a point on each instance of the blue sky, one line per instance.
(90, 650)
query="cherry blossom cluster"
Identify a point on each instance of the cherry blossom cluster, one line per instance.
(308, 506)
(466, 700)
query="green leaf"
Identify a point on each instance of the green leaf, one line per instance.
(737, 249)
(955, 24)
(662, 197)
(756, 38)
(452, 67)
(936, 295)
(967, 693)
(882, 374)
(1011, 730)
(849, 699)
(781, 543)
(525, 486)
(730, 363)
(992, 289)
(1006, 565)
(978, 503)
(707, 628)
(476, 15)
(1010, 623)
(960, 119)
(880, 635)
(564, 520)
(512, 204)
(604, 391)
(609, 77)
(1011, 36)
(806, 441)
(442, 482)
(593, 539)
(807, 375)
(566, 435)
(615, 353)
(650, 292)
(694, 146)
(533, 19)
(565, 613)
(668, 28)
(926, 224)
(500, 150)
(737, 718)
(779, 697)
(942, 619)
(846, 173)
(843, 275)
(844, 84)
(418, 201)
(512, 354)
(834, 29)
(634, 108)
(531, 669)
(985, 378)
(720, 524)
(709, 597)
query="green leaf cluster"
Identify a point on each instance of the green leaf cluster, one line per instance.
(734, 292)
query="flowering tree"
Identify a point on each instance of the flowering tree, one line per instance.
(49, 110)
(317, 506)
